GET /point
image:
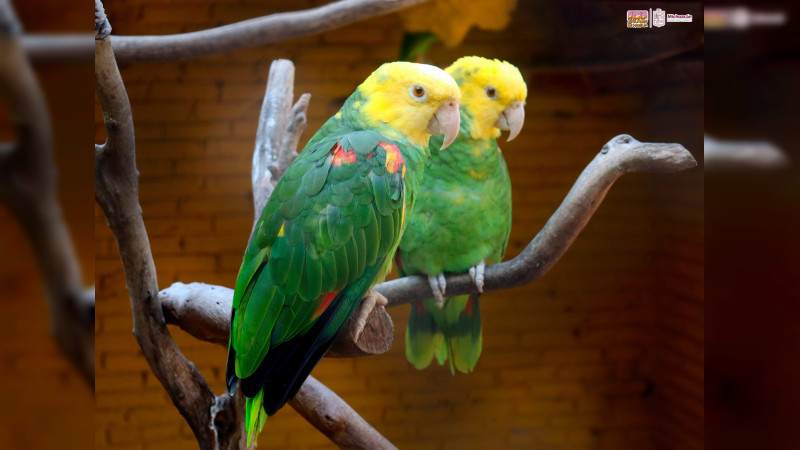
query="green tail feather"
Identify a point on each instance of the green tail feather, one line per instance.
(254, 417)
(462, 331)
(451, 334)
(424, 337)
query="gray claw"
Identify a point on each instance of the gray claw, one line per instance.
(438, 286)
(476, 273)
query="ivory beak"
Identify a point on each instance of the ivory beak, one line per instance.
(446, 121)
(512, 119)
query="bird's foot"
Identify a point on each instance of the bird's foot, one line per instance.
(476, 273)
(438, 286)
(371, 300)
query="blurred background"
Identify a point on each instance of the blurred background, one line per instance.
(752, 222)
(47, 402)
(606, 351)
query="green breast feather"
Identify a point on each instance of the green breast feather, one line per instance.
(462, 216)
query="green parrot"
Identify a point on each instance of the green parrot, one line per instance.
(462, 217)
(328, 231)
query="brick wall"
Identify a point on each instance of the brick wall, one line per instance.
(603, 352)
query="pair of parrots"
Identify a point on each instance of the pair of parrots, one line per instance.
(335, 221)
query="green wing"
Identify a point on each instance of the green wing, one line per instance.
(327, 230)
(335, 212)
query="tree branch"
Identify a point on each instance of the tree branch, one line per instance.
(216, 421)
(64, 47)
(253, 32)
(203, 310)
(335, 418)
(117, 192)
(28, 185)
(621, 155)
(279, 128)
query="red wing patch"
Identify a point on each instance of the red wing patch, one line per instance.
(468, 308)
(420, 307)
(342, 157)
(394, 159)
(326, 300)
(398, 260)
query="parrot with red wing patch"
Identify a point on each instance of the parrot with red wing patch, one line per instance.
(329, 230)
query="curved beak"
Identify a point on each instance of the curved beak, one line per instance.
(512, 119)
(446, 121)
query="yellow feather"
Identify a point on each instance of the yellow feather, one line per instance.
(389, 100)
(474, 74)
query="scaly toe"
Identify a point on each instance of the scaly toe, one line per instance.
(438, 292)
(476, 273)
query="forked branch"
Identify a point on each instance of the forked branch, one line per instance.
(117, 192)
(622, 154)
(216, 421)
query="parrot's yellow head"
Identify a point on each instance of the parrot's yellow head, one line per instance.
(411, 101)
(493, 96)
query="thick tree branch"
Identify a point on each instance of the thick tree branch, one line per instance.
(117, 192)
(622, 154)
(335, 418)
(216, 421)
(203, 310)
(28, 185)
(253, 32)
(279, 128)
(49, 48)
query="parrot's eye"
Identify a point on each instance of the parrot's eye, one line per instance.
(419, 93)
(491, 92)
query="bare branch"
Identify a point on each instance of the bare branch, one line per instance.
(117, 192)
(369, 331)
(294, 129)
(62, 47)
(279, 128)
(28, 185)
(253, 32)
(622, 154)
(203, 311)
(335, 418)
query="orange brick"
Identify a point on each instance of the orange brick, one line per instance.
(198, 130)
(166, 90)
(160, 112)
(167, 14)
